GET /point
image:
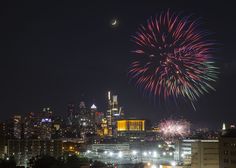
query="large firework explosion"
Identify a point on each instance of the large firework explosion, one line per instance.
(173, 58)
(174, 128)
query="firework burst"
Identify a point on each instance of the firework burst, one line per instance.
(174, 128)
(173, 58)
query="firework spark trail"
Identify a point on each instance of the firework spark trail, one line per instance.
(173, 58)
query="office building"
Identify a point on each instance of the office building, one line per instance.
(205, 154)
(227, 145)
(114, 112)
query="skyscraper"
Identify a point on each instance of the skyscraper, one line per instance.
(38, 125)
(86, 120)
(71, 112)
(114, 112)
(17, 126)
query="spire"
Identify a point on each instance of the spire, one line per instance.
(223, 127)
(93, 106)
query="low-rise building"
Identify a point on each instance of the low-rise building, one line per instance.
(205, 154)
(24, 150)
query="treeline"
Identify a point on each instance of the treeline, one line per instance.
(51, 162)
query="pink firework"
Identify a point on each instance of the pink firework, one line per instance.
(174, 128)
(173, 58)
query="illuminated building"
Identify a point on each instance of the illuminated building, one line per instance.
(111, 147)
(71, 112)
(86, 118)
(227, 146)
(57, 127)
(70, 147)
(98, 118)
(24, 150)
(38, 125)
(17, 126)
(93, 111)
(205, 154)
(183, 150)
(3, 140)
(104, 128)
(114, 112)
(130, 125)
(45, 123)
(132, 129)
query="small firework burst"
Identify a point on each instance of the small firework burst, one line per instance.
(174, 128)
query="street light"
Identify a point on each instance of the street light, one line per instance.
(134, 152)
(154, 154)
(144, 153)
(110, 153)
(88, 151)
(153, 166)
(173, 163)
(120, 154)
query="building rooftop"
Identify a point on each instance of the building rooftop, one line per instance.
(229, 133)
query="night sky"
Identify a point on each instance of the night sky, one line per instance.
(56, 52)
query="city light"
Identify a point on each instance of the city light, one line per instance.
(120, 154)
(88, 151)
(144, 153)
(153, 166)
(173, 163)
(134, 152)
(110, 153)
(154, 154)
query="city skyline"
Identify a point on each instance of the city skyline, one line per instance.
(62, 52)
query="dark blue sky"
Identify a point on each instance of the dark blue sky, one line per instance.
(56, 52)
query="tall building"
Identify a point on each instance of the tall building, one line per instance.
(31, 126)
(183, 150)
(3, 140)
(45, 123)
(17, 126)
(205, 154)
(86, 120)
(227, 147)
(114, 112)
(71, 112)
(38, 125)
(94, 117)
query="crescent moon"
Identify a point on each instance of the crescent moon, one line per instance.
(114, 23)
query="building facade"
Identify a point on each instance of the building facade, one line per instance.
(205, 154)
(227, 145)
